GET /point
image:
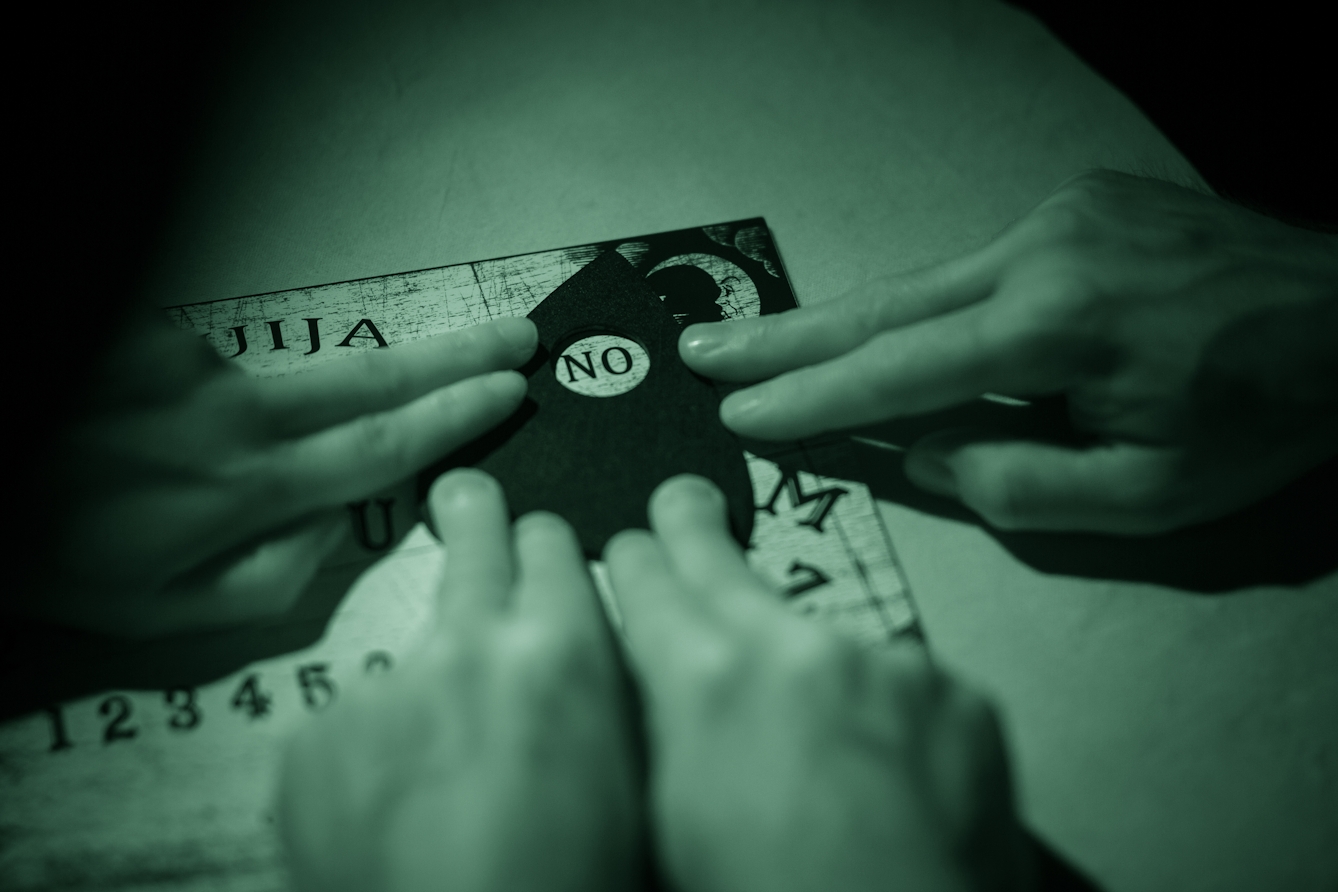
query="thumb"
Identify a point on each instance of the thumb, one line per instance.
(1122, 488)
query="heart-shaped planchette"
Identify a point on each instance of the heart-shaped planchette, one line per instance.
(612, 411)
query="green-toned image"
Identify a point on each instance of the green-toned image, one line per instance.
(672, 445)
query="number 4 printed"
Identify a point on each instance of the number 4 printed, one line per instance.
(250, 699)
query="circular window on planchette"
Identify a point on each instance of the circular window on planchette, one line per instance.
(601, 365)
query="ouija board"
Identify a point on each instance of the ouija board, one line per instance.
(157, 769)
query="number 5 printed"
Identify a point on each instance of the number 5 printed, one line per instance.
(318, 688)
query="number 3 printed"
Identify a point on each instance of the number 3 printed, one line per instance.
(185, 711)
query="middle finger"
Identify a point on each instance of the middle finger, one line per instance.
(470, 514)
(688, 515)
(553, 582)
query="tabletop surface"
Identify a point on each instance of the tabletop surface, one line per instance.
(1163, 737)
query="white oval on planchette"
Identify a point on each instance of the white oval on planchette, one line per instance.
(602, 365)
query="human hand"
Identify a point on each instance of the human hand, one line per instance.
(786, 758)
(195, 496)
(496, 757)
(1195, 341)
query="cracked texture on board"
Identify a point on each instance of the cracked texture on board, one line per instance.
(174, 788)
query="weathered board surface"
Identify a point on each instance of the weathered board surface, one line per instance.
(134, 788)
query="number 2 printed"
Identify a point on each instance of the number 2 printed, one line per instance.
(119, 708)
(184, 713)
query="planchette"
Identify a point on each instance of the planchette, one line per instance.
(612, 411)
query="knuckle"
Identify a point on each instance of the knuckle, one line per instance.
(762, 326)
(385, 379)
(814, 663)
(1051, 322)
(1089, 185)
(1140, 495)
(377, 440)
(263, 477)
(762, 331)
(1071, 214)
(879, 381)
(715, 673)
(867, 313)
(992, 491)
(716, 662)
(450, 661)
(1062, 222)
(807, 649)
(1150, 500)
(442, 656)
(552, 662)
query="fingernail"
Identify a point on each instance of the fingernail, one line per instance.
(686, 498)
(692, 487)
(507, 386)
(737, 407)
(702, 339)
(931, 472)
(460, 484)
(519, 333)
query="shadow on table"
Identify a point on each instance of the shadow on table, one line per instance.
(42, 664)
(1286, 539)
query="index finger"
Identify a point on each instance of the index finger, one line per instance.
(753, 349)
(377, 380)
(935, 364)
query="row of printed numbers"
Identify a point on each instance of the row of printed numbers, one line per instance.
(249, 698)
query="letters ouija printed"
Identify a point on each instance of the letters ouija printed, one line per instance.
(179, 782)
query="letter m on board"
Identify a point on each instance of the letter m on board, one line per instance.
(822, 500)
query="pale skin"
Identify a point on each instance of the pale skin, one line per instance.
(199, 497)
(1196, 342)
(1193, 340)
(500, 756)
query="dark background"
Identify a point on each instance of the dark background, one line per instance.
(1245, 91)
(109, 100)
